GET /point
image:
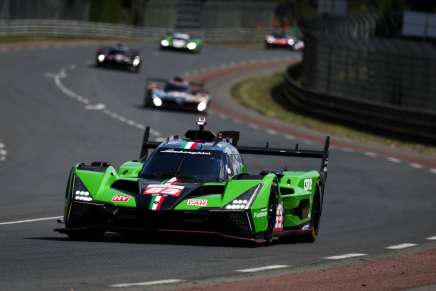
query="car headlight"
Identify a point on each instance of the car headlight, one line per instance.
(244, 200)
(269, 39)
(101, 57)
(191, 46)
(201, 106)
(80, 192)
(136, 61)
(157, 101)
(164, 42)
(291, 41)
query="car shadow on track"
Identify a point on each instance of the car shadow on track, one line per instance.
(175, 239)
(161, 239)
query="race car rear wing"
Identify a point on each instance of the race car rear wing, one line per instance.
(296, 152)
(268, 151)
(146, 144)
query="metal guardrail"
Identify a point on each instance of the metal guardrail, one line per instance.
(412, 124)
(44, 27)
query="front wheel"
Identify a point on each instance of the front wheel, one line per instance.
(272, 213)
(147, 99)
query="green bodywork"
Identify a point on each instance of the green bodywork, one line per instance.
(296, 192)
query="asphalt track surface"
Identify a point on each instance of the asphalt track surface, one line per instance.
(371, 203)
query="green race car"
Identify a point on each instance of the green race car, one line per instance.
(181, 41)
(196, 184)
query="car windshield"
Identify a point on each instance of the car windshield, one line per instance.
(280, 35)
(117, 52)
(181, 36)
(171, 87)
(187, 165)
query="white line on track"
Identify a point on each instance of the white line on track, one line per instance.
(72, 66)
(264, 268)
(271, 131)
(416, 166)
(345, 256)
(371, 154)
(99, 106)
(433, 170)
(432, 237)
(348, 150)
(253, 126)
(30, 220)
(401, 246)
(393, 160)
(2, 145)
(149, 283)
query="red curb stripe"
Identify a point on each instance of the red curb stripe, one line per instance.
(241, 68)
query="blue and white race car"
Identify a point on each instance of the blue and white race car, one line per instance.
(176, 93)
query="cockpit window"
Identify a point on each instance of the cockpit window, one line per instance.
(185, 165)
(177, 87)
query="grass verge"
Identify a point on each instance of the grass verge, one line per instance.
(255, 93)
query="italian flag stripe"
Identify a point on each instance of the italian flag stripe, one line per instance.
(190, 145)
(156, 202)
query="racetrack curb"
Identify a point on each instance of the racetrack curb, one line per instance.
(391, 154)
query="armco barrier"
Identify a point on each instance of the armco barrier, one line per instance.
(45, 27)
(408, 123)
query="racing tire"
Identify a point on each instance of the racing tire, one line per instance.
(147, 99)
(272, 210)
(314, 220)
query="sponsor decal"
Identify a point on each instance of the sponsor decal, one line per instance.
(156, 202)
(120, 198)
(163, 189)
(260, 214)
(189, 145)
(307, 184)
(278, 227)
(196, 202)
(173, 151)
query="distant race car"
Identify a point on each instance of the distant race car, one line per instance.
(283, 40)
(176, 93)
(118, 56)
(181, 41)
(196, 184)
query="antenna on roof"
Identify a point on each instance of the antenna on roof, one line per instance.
(201, 122)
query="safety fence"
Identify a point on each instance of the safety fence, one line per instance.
(369, 115)
(44, 27)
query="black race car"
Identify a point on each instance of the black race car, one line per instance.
(176, 93)
(119, 56)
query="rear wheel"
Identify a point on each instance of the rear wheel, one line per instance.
(272, 211)
(314, 219)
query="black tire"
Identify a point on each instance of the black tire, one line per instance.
(147, 99)
(272, 209)
(314, 219)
